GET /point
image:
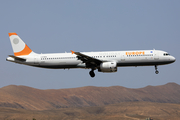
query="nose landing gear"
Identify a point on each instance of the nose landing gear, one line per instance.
(156, 69)
(91, 73)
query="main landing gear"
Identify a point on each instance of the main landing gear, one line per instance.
(91, 73)
(156, 69)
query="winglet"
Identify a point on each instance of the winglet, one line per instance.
(72, 52)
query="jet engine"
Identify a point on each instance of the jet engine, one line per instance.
(108, 67)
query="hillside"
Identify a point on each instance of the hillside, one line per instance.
(120, 111)
(34, 99)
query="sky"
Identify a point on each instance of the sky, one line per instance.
(55, 26)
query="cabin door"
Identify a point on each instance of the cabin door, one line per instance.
(36, 60)
(156, 55)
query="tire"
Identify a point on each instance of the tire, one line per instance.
(91, 73)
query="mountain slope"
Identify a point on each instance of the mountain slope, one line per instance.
(34, 99)
(120, 111)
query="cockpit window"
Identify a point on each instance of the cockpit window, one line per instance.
(166, 54)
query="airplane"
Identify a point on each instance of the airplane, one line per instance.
(106, 61)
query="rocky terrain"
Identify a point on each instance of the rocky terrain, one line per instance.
(35, 99)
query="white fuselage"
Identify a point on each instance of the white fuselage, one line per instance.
(122, 58)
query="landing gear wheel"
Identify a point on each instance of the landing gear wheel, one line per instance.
(91, 73)
(156, 71)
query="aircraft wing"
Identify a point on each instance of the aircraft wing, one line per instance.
(89, 61)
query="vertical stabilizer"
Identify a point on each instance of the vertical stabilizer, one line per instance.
(19, 47)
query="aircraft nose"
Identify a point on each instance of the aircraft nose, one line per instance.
(173, 59)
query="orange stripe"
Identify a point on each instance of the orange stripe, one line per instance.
(12, 34)
(25, 51)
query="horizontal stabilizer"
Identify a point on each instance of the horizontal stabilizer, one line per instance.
(17, 58)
